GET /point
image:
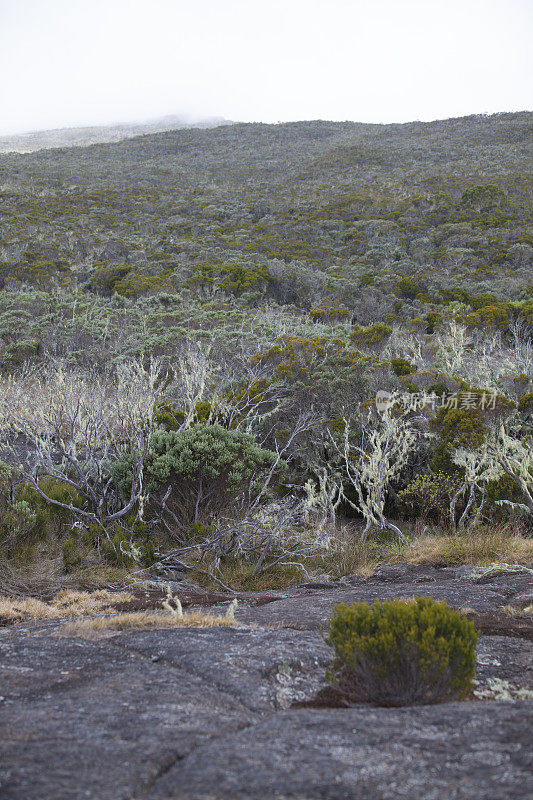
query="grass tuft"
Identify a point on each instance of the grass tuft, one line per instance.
(66, 603)
(142, 619)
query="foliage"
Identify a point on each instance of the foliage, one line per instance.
(400, 366)
(209, 470)
(375, 334)
(428, 496)
(372, 465)
(280, 276)
(399, 653)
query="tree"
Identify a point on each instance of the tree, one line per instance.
(75, 425)
(386, 443)
(504, 451)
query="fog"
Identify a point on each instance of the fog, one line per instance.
(83, 62)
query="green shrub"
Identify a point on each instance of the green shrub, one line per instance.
(460, 427)
(478, 301)
(16, 354)
(72, 556)
(371, 335)
(207, 466)
(399, 653)
(432, 318)
(400, 366)
(495, 317)
(123, 552)
(105, 277)
(428, 496)
(328, 314)
(525, 403)
(407, 287)
(168, 417)
(503, 488)
(483, 197)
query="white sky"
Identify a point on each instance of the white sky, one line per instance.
(79, 62)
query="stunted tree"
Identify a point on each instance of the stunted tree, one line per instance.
(74, 425)
(386, 441)
(504, 452)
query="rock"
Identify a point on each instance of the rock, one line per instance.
(523, 600)
(246, 662)
(404, 573)
(474, 751)
(309, 608)
(231, 713)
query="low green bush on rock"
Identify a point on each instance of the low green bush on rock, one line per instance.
(400, 653)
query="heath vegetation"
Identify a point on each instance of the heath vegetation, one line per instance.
(261, 352)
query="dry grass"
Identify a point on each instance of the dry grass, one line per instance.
(67, 603)
(142, 619)
(44, 574)
(349, 555)
(476, 547)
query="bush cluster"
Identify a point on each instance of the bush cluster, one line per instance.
(399, 653)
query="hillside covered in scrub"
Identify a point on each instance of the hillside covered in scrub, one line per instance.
(195, 324)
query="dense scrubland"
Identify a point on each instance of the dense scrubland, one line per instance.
(195, 326)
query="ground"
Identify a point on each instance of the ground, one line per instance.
(240, 713)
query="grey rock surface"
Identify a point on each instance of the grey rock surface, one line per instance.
(306, 608)
(206, 714)
(457, 750)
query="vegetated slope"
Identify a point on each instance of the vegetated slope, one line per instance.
(368, 198)
(84, 136)
(287, 273)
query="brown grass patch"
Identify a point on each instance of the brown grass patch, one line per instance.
(66, 603)
(142, 619)
(475, 547)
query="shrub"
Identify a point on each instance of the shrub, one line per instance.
(495, 317)
(428, 496)
(525, 403)
(106, 276)
(208, 467)
(483, 197)
(400, 366)
(231, 278)
(407, 287)
(432, 318)
(399, 653)
(502, 489)
(459, 426)
(328, 313)
(478, 301)
(371, 335)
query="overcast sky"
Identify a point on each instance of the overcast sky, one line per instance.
(78, 62)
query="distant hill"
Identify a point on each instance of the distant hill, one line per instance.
(326, 212)
(99, 134)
